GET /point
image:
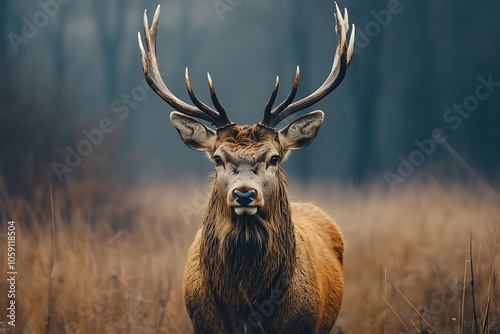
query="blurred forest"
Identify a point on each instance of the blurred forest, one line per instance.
(421, 96)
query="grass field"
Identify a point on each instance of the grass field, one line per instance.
(87, 267)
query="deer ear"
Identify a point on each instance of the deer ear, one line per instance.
(194, 134)
(301, 132)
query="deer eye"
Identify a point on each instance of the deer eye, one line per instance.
(274, 160)
(218, 161)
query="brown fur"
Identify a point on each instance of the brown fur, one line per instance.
(278, 271)
(258, 264)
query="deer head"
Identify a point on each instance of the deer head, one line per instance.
(247, 158)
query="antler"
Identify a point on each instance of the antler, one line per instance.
(343, 57)
(218, 118)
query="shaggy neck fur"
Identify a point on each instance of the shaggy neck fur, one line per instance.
(236, 248)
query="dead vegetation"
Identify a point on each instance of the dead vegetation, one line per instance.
(117, 267)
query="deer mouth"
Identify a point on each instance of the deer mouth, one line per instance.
(245, 210)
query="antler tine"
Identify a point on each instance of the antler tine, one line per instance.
(270, 115)
(290, 96)
(341, 61)
(202, 106)
(341, 30)
(350, 49)
(270, 102)
(216, 102)
(155, 81)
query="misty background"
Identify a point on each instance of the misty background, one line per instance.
(71, 68)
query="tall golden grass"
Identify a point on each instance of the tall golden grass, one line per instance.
(86, 267)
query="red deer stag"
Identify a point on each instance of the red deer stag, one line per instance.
(258, 264)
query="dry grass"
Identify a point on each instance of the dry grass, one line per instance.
(117, 268)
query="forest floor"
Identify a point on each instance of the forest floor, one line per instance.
(117, 268)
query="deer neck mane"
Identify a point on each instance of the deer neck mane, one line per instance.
(236, 248)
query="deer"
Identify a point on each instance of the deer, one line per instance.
(258, 263)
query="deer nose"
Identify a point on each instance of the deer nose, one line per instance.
(244, 197)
